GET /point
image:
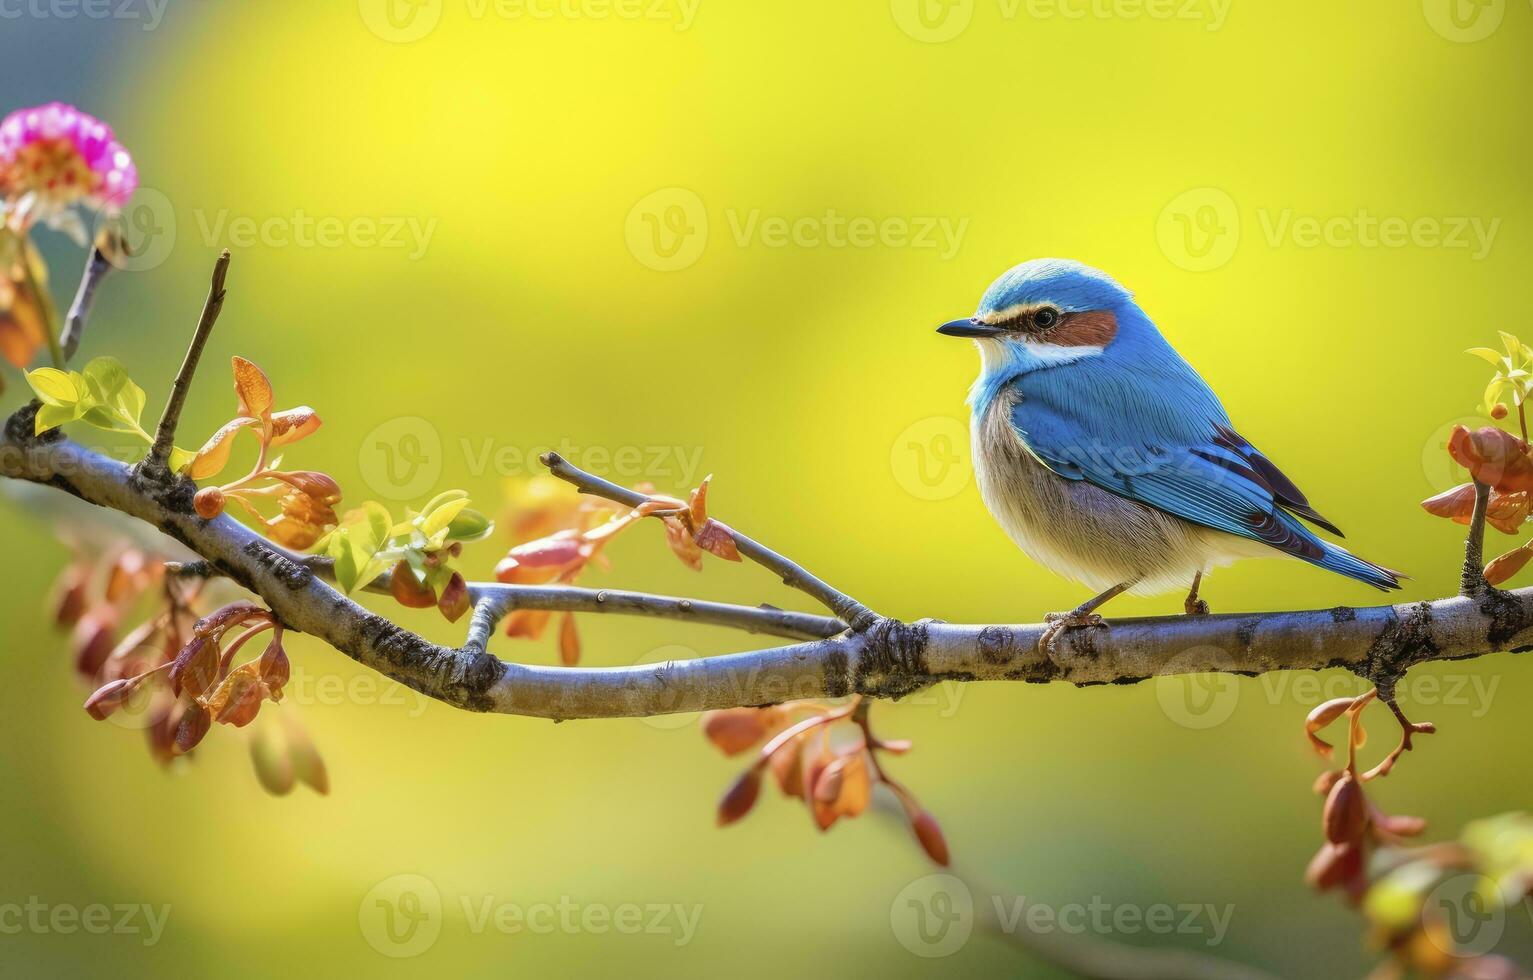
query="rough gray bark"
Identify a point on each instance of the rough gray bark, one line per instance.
(886, 659)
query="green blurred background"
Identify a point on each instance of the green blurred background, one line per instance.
(561, 222)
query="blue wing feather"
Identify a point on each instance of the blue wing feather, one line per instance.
(1159, 436)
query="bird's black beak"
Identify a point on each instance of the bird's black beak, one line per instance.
(969, 327)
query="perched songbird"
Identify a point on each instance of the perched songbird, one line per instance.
(1108, 459)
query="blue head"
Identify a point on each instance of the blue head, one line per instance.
(1049, 313)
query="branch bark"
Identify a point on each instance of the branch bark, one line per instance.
(887, 659)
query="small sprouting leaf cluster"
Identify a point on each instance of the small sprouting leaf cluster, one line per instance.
(175, 671)
(102, 395)
(305, 499)
(832, 777)
(1496, 459)
(558, 538)
(419, 549)
(1352, 825)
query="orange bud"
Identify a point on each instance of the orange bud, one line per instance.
(238, 698)
(1498, 411)
(294, 424)
(559, 549)
(1334, 864)
(252, 387)
(569, 641)
(93, 641)
(788, 769)
(735, 730)
(1326, 780)
(1492, 456)
(930, 835)
(682, 545)
(527, 623)
(274, 667)
(1507, 565)
(1401, 826)
(1456, 504)
(70, 595)
(737, 802)
(109, 696)
(1506, 512)
(454, 601)
(209, 503)
(717, 540)
(1346, 810)
(318, 485)
(196, 666)
(194, 724)
(1321, 716)
(407, 590)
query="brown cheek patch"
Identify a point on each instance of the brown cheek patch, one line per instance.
(1093, 328)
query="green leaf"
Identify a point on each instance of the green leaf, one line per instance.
(104, 417)
(446, 496)
(130, 402)
(1486, 354)
(437, 519)
(180, 458)
(109, 376)
(470, 525)
(53, 416)
(54, 387)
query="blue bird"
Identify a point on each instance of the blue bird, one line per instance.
(1106, 457)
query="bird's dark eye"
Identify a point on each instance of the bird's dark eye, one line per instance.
(1045, 318)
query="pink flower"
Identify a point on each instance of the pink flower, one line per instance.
(54, 156)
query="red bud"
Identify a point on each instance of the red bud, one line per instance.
(930, 835)
(737, 802)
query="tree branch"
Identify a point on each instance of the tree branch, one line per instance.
(493, 600)
(888, 659)
(97, 267)
(157, 463)
(846, 608)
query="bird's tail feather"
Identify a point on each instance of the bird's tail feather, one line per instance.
(1343, 562)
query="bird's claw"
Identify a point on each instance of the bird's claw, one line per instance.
(1060, 623)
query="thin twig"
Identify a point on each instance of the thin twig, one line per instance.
(97, 267)
(493, 600)
(165, 436)
(1472, 581)
(793, 575)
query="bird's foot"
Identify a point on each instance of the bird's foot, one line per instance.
(1061, 623)
(1195, 607)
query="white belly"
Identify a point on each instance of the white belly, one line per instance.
(1086, 533)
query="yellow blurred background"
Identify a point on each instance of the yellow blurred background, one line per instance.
(717, 237)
